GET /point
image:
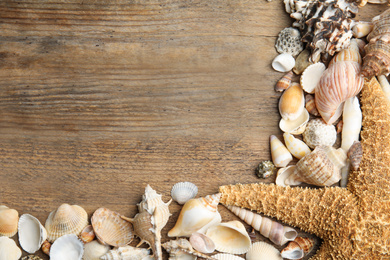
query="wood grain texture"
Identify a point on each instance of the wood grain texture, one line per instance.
(99, 98)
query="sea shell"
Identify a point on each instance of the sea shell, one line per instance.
(289, 41)
(292, 251)
(46, 247)
(355, 154)
(202, 243)
(280, 154)
(67, 247)
(284, 82)
(31, 257)
(8, 249)
(384, 85)
(230, 237)
(306, 243)
(362, 29)
(31, 233)
(8, 221)
(152, 200)
(340, 81)
(303, 61)
(110, 228)
(263, 251)
(296, 126)
(87, 234)
(273, 230)
(351, 53)
(126, 253)
(296, 147)
(283, 62)
(65, 220)
(311, 76)
(286, 177)
(310, 105)
(222, 256)
(195, 214)
(292, 102)
(94, 250)
(352, 123)
(265, 169)
(183, 191)
(176, 248)
(322, 166)
(317, 133)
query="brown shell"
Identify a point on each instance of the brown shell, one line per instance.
(46, 247)
(355, 154)
(87, 235)
(305, 243)
(284, 82)
(311, 105)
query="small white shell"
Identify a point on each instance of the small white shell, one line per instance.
(311, 76)
(227, 257)
(292, 251)
(263, 251)
(286, 176)
(9, 250)
(283, 62)
(384, 85)
(352, 123)
(94, 250)
(296, 147)
(67, 247)
(296, 126)
(183, 191)
(202, 243)
(32, 234)
(280, 155)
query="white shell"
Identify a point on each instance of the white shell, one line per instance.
(352, 123)
(8, 249)
(283, 62)
(263, 251)
(227, 257)
(362, 29)
(94, 250)
(67, 247)
(127, 253)
(296, 126)
(286, 177)
(292, 251)
(202, 243)
(183, 191)
(384, 85)
(311, 76)
(230, 237)
(296, 147)
(32, 234)
(280, 154)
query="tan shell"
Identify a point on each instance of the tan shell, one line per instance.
(362, 29)
(182, 246)
(296, 147)
(110, 228)
(351, 53)
(310, 105)
(306, 243)
(302, 62)
(317, 133)
(46, 247)
(292, 102)
(8, 221)
(355, 154)
(292, 251)
(87, 234)
(279, 153)
(67, 219)
(94, 250)
(284, 82)
(126, 252)
(9, 250)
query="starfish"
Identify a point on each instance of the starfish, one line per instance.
(353, 222)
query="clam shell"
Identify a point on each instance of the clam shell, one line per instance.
(94, 250)
(292, 102)
(110, 228)
(31, 233)
(287, 177)
(8, 249)
(67, 247)
(183, 191)
(284, 82)
(296, 126)
(263, 251)
(230, 237)
(67, 219)
(280, 154)
(227, 257)
(296, 147)
(126, 253)
(202, 243)
(292, 251)
(87, 234)
(311, 76)
(8, 221)
(283, 62)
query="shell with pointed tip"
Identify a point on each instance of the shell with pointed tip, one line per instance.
(351, 53)
(227, 257)
(67, 247)
(280, 154)
(195, 214)
(230, 237)
(46, 247)
(67, 219)
(352, 123)
(150, 200)
(284, 82)
(87, 234)
(178, 248)
(355, 154)
(94, 250)
(311, 76)
(317, 133)
(286, 177)
(8, 221)
(296, 126)
(296, 147)
(292, 102)
(31, 233)
(8, 249)
(273, 230)
(292, 251)
(110, 228)
(310, 105)
(306, 243)
(183, 191)
(263, 251)
(126, 253)
(202, 243)
(283, 62)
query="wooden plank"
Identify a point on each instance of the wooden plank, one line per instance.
(100, 98)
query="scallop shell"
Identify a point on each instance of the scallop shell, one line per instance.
(202, 243)
(8, 249)
(230, 237)
(110, 228)
(352, 123)
(296, 147)
(8, 221)
(292, 251)
(273, 230)
(67, 247)
(87, 234)
(362, 29)
(355, 154)
(183, 191)
(284, 82)
(286, 177)
(179, 248)
(227, 257)
(280, 154)
(317, 133)
(310, 105)
(296, 126)
(283, 62)
(311, 76)
(292, 102)
(384, 85)
(126, 253)
(263, 251)
(31, 233)
(289, 41)
(195, 214)
(65, 220)
(94, 250)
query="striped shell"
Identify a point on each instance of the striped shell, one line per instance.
(227, 257)
(262, 250)
(355, 154)
(284, 82)
(8, 221)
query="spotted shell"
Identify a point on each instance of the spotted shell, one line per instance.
(289, 41)
(317, 132)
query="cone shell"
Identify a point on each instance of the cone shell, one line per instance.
(31, 233)
(8, 221)
(46, 247)
(296, 147)
(110, 228)
(126, 253)
(292, 102)
(292, 251)
(183, 191)
(296, 126)
(263, 251)
(311, 76)
(355, 154)
(283, 62)
(67, 247)
(284, 82)
(287, 177)
(94, 250)
(227, 257)
(202, 243)
(8, 249)
(280, 154)
(181, 249)
(230, 237)
(195, 214)
(67, 219)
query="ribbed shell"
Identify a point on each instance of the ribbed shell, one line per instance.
(8, 221)
(262, 250)
(183, 191)
(67, 219)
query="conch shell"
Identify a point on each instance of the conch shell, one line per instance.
(182, 246)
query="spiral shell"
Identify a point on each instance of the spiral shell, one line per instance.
(284, 82)
(292, 251)
(355, 154)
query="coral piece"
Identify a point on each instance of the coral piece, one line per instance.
(353, 222)
(319, 133)
(289, 41)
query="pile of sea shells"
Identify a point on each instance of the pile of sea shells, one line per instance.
(199, 232)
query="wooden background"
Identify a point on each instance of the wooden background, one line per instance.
(99, 98)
